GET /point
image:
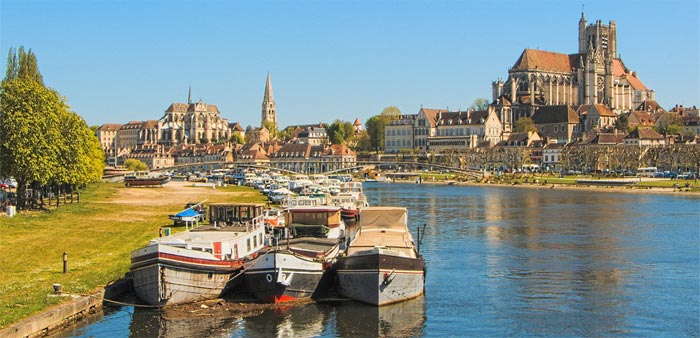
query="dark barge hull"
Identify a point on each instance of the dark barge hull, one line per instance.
(380, 279)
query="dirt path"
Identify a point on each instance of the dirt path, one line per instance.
(174, 192)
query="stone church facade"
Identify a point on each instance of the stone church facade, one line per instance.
(594, 75)
(192, 123)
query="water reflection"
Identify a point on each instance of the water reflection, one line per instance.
(405, 319)
(156, 323)
(299, 321)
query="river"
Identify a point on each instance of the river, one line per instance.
(503, 261)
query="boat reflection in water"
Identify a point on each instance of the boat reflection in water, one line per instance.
(403, 319)
(154, 323)
(294, 321)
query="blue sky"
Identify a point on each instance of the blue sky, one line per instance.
(117, 61)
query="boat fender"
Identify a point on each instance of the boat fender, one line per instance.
(268, 277)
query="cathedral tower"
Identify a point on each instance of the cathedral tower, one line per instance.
(269, 110)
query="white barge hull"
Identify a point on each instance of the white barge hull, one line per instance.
(165, 275)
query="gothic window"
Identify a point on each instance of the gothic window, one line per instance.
(604, 41)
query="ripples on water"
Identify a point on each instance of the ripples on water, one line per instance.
(511, 262)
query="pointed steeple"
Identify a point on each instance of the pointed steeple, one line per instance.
(268, 89)
(189, 96)
(269, 110)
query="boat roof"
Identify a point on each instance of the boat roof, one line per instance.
(384, 217)
(320, 208)
(187, 213)
(239, 204)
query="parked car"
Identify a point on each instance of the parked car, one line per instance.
(10, 182)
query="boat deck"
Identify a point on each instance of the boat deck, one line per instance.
(311, 244)
(229, 228)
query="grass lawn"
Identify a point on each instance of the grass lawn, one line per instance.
(98, 234)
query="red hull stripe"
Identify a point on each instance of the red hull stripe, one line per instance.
(283, 298)
(191, 260)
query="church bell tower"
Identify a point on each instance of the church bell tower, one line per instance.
(269, 110)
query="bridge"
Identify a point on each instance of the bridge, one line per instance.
(361, 165)
(397, 166)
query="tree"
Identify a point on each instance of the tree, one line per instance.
(28, 134)
(363, 141)
(135, 165)
(237, 138)
(286, 134)
(524, 125)
(340, 132)
(41, 140)
(391, 113)
(271, 127)
(622, 122)
(22, 65)
(479, 103)
(669, 123)
(81, 159)
(375, 130)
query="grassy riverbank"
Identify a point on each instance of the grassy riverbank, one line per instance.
(98, 234)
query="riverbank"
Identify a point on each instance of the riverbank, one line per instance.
(665, 188)
(97, 234)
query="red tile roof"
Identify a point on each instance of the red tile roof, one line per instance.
(532, 59)
(109, 127)
(619, 70)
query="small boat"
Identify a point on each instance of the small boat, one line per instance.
(200, 263)
(295, 267)
(145, 179)
(381, 265)
(351, 199)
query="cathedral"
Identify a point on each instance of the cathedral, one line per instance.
(192, 123)
(594, 75)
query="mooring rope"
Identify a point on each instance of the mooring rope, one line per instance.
(126, 304)
(250, 266)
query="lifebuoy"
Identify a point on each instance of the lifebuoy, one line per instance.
(268, 278)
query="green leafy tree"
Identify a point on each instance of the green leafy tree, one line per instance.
(622, 123)
(271, 127)
(340, 132)
(237, 138)
(28, 133)
(669, 123)
(375, 130)
(479, 103)
(390, 113)
(22, 65)
(81, 160)
(673, 129)
(41, 140)
(286, 134)
(363, 141)
(135, 165)
(525, 124)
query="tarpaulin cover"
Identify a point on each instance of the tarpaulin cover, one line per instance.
(383, 217)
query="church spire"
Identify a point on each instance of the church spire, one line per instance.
(268, 89)
(189, 96)
(269, 110)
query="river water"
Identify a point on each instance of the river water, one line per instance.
(504, 262)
